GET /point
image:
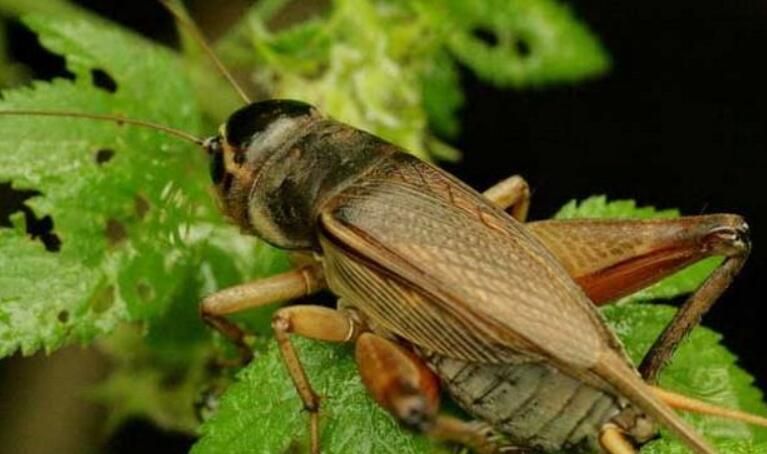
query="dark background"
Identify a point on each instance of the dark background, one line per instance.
(680, 121)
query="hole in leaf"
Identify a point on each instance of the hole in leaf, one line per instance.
(486, 36)
(145, 291)
(25, 48)
(103, 156)
(522, 47)
(63, 316)
(141, 206)
(103, 80)
(115, 232)
(172, 379)
(13, 201)
(42, 229)
(103, 299)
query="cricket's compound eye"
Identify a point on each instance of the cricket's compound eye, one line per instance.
(266, 124)
(215, 152)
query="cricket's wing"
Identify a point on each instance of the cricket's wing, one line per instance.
(434, 263)
(429, 260)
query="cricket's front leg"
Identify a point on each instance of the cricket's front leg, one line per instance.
(314, 322)
(613, 258)
(286, 286)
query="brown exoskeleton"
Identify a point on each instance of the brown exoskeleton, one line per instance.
(439, 286)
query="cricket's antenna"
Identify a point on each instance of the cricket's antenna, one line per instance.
(112, 118)
(189, 23)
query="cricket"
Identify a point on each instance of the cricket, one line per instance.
(442, 288)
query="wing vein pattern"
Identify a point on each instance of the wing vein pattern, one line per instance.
(431, 261)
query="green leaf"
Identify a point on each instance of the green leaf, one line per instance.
(43, 302)
(598, 207)
(523, 42)
(262, 412)
(351, 65)
(125, 224)
(701, 368)
(442, 95)
(51, 7)
(726, 447)
(681, 283)
(48, 299)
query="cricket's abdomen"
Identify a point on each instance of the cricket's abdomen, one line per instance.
(531, 403)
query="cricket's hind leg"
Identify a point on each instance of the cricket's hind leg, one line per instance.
(511, 194)
(402, 384)
(613, 258)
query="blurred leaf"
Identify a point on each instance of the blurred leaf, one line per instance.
(163, 373)
(442, 95)
(18, 8)
(523, 42)
(386, 65)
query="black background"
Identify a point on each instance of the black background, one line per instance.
(679, 121)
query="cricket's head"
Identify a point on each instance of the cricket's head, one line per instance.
(257, 143)
(275, 163)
